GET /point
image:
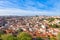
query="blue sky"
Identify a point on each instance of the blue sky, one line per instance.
(29, 7)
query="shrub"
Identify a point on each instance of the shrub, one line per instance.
(8, 37)
(24, 36)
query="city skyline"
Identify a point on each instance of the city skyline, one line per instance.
(29, 7)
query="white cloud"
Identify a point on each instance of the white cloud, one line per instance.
(7, 4)
(20, 12)
(9, 8)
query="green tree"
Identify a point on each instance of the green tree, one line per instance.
(58, 36)
(37, 16)
(53, 38)
(51, 19)
(8, 37)
(39, 38)
(20, 30)
(1, 33)
(54, 26)
(24, 36)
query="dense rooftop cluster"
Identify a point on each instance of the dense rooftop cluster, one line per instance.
(41, 26)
